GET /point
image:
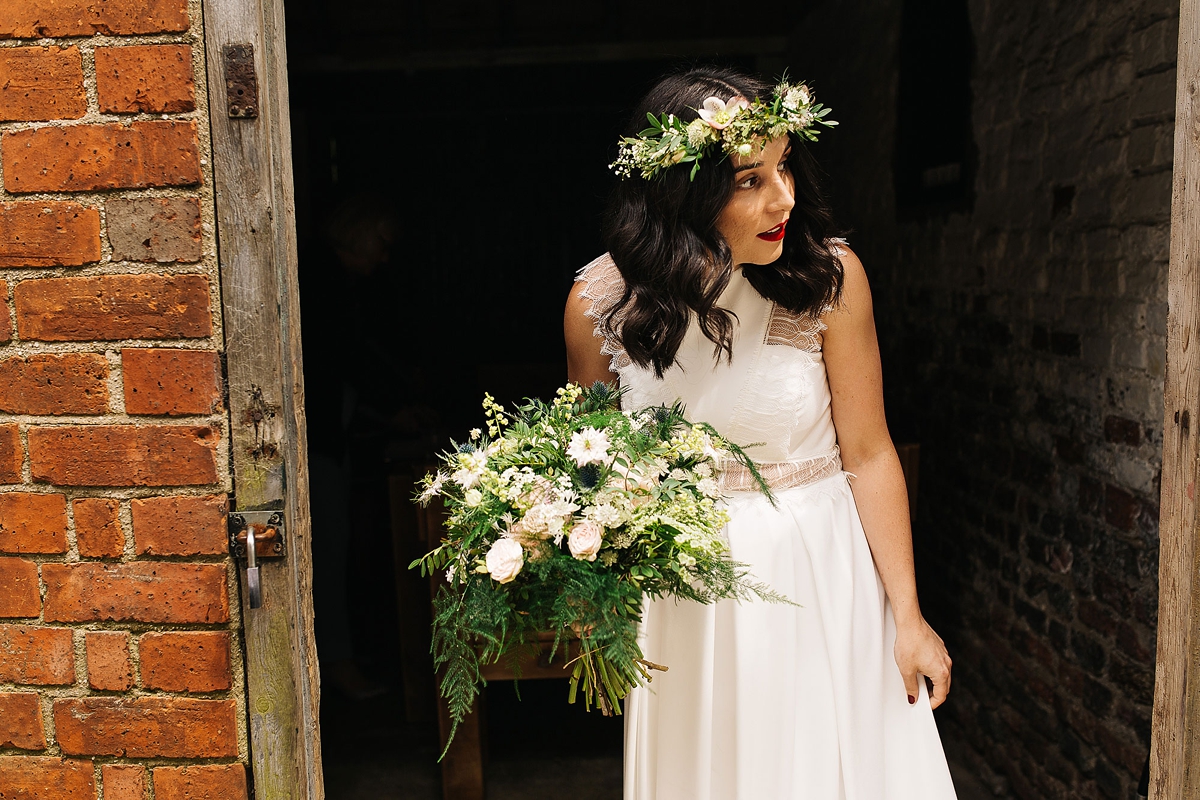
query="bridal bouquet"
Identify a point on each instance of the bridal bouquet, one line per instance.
(561, 517)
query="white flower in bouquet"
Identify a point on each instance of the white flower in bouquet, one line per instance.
(533, 523)
(709, 487)
(504, 559)
(604, 514)
(697, 443)
(472, 468)
(588, 446)
(555, 526)
(433, 489)
(585, 539)
(472, 498)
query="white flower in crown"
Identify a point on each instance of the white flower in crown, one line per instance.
(699, 134)
(588, 446)
(796, 97)
(718, 114)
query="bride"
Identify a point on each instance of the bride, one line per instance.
(724, 287)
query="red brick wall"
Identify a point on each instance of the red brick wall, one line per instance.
(120, 672)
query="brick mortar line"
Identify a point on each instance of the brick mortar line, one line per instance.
(93, 119)
(201, 559)
(134, 628)
(91, 88)
(110, 418)
(125, 519)
(115, 382)
(23, 348)
(100, 269)
(99, 196)
(107, 39)
(121, 493)
(72, 554)
(81, 689)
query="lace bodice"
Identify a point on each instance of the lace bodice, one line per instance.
(773, 394)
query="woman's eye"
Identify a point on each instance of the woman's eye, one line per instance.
(748, 183)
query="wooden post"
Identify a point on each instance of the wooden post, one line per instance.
(256, 230)
(1175, 752)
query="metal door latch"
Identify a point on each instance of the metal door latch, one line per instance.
(254, 535)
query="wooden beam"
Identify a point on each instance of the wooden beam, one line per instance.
(586, 53)
(1175, 752)
(256, 233)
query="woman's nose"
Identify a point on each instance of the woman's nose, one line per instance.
(783, 196)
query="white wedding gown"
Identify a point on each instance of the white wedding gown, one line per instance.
(768, 701)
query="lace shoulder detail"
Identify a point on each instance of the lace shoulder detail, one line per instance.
(801, 331)
(603, 286)
(836, 244)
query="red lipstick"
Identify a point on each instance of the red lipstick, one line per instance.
(776, 233)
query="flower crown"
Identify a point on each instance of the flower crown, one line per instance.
(738, 125)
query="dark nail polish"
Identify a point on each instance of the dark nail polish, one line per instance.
(911, 699)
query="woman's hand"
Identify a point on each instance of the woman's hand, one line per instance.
(920, 651)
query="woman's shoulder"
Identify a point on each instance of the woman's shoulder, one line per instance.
(598, 287)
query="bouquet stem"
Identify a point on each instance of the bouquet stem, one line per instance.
(603, 682)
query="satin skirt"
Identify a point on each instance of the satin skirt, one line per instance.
(772, 702)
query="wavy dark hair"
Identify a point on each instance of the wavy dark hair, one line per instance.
(662, 235)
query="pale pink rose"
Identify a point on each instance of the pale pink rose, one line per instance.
(504, 559)
(718, 114)
(585, 539)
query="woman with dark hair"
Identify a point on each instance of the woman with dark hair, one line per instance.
(726, 287)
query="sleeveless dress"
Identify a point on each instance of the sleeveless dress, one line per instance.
(767, 701)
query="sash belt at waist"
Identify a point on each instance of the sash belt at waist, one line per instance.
(780, 475)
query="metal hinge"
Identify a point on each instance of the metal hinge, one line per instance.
(241, 82)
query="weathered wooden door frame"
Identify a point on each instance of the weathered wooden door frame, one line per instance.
(1175, 748)
(256, 235)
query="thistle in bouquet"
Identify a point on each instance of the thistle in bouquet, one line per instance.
(562, 517)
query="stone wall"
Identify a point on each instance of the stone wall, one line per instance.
(120, 667)
(1024, 343)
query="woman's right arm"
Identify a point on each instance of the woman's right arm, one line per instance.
(586, 364)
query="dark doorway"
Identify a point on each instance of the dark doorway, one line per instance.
(451, 171)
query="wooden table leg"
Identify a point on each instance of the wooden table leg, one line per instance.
(462, 768)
